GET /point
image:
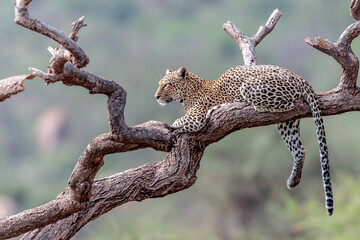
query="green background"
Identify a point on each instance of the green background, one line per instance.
(241, 188)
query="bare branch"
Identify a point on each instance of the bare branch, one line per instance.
(175, 173)
(349, 35)
(75, 28)
(46, 77)
(116, 105)
(77, 195)
(268, 27)
(13, 85)
(61, 55)
(247, 44)
(22, 18)
(341, 51)
(242, 115)
(148, 133)
(59, 208)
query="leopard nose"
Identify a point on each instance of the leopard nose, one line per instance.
(157, 97)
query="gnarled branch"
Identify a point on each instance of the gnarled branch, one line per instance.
(341, 51)
(23, 18)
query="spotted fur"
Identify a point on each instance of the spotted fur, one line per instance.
(267, 88)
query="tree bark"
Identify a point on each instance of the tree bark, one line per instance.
(85, 199)
(12, 85)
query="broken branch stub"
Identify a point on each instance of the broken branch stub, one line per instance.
(13, 85)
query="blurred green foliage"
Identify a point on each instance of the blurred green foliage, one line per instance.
(240, 192)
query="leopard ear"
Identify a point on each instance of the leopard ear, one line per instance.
(182, 72)
(167, 71)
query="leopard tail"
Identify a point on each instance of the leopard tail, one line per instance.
(310, 97)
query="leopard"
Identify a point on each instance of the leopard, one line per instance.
(267, 88)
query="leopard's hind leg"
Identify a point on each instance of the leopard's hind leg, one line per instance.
(290, 133)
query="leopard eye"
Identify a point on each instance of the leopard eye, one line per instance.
(166, 85)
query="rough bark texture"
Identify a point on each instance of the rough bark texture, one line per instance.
(85, 198)
(12, 85)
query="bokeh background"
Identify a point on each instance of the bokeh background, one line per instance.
(241, 188)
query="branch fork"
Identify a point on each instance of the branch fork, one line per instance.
(247, 45)
(342, 53)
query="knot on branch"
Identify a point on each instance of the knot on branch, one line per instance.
(80, 192)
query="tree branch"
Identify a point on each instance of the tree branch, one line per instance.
(175, 173)
(268, 27)
(61, 55)
(22, 18)
(12, 85)
(341, 51)
(76, 196)
(247, 45)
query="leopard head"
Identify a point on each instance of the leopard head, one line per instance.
(172, 86)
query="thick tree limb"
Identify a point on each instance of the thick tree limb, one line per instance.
(86, 199)
(61, 207)
(175, 173)
(80, 185)
(239, 116)
(12, 85)
(118, 189)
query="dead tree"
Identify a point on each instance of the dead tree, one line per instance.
(85, 199)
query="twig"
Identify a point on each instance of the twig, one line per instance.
(75, 28)
(268, 27)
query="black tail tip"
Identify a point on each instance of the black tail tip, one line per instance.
(330, 211)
